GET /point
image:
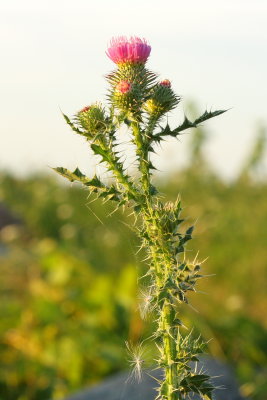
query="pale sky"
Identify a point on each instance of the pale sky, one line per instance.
(53, 56)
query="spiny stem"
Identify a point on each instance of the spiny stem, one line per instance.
(166, 313)
(141, 142)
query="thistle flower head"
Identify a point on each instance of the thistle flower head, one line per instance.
(132, 51)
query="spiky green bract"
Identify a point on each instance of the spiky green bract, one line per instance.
(141, 80)
(161, 100)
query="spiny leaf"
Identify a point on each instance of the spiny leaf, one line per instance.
(94, 184)
(207, 115)
(186, 125)
(76, 175)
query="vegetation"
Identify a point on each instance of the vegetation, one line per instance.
(69, 297)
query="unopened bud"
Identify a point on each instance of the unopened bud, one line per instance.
(124, 87)
(165, 83)
(84, 109)
(92, 119)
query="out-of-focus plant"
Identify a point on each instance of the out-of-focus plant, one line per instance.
(140, 101)
(255, 158)
(60, 320)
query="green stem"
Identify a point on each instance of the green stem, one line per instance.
(167, 330)
(170, 351)
(150, 128)
(141, 142)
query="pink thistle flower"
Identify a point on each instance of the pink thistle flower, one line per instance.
(133, 50)
(165, 83)
(124, 87)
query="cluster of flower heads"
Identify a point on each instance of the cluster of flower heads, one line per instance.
(130, 91)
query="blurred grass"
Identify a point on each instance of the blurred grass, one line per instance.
(69, 295)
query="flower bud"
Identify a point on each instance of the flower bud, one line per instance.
(92, 119)
(123, 87)
(126, 96)
(165, 83)
(86, 108)
(162, 99)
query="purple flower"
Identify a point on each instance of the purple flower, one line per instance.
(133, 50)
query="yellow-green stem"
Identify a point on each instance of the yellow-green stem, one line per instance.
(142, 153)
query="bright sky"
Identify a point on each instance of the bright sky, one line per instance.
(53, 56)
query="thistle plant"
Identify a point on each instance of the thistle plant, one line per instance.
(138, 99)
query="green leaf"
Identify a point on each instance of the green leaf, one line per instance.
(76, 175)
(207, 115)
(190, 230)
(186, 125)
(199, 378)
(94, 184)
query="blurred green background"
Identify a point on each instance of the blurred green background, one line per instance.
(69, 297)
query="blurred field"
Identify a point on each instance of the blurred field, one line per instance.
(69, 271)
